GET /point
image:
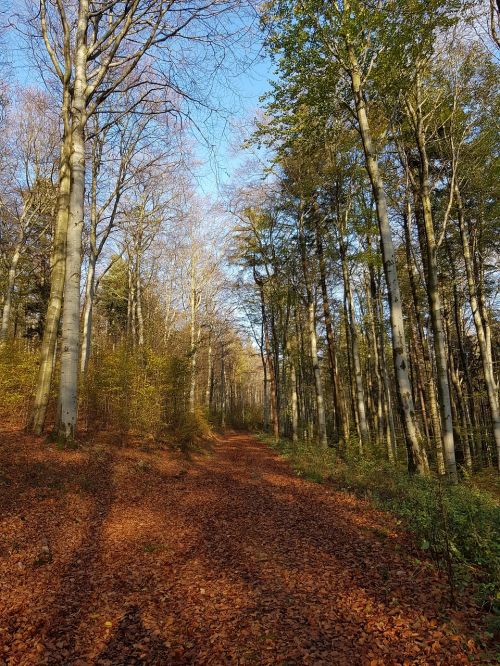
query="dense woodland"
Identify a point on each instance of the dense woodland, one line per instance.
(364, 255)
(116, 299)
(374, 247)
(337, 294)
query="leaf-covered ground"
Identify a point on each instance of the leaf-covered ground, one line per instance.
(124, 555)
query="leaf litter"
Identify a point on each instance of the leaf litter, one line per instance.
(110, 555)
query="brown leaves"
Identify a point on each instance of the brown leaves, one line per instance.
(239, 563)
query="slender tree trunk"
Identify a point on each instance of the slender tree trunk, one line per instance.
(93, 256)
(459, 405)
(417, 456)
(271, 379)
(311, 325)
(435, 308)
(318, 384)
(88, 314)
(373, 343)
(265, 401)
(272, 386)
(131, 300)
(138, 303)
(7, 304)
(482, 327)
(342, 422)
(358, 379)
(193, 346)
(295, 412)
(422, 349)
(223, 387)
(210, 376)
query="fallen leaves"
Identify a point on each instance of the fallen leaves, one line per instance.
(227, 559)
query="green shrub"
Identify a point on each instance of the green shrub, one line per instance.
(192, 431)
(459, 524)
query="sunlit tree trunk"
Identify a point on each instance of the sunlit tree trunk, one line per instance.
(57, 278)
(318, 383)
(194, 302)
(390, 430)
(295, 412)
(88, 309)
(421, 343)
(223, 387)
(373, 343)
(68, 390)
(417, 456)
(11, 279)
(311, 327)
(210, 375)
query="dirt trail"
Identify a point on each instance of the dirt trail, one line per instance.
(124, 556)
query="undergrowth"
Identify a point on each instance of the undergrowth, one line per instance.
(18, 368)
(459, 525)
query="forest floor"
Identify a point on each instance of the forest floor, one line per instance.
(114, 554)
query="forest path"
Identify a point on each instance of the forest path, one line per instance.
(124, 555)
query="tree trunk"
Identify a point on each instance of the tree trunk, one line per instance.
(68, 390)
(358, 379)
(311, 325)
(57, 279)
(88, 314)
(482, 327)
(7, 304)
(271, 379)
(435, 307)
(223, 388)
(342, 422)
(210, 376)
(416, 454)
(193, 346)
(295, 412)
(421, 350)
(138, 302)
(318, 384)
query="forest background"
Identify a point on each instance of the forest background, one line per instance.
(334, 286)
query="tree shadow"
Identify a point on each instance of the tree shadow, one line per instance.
(251, 564)
(77, 583)
(133, 643)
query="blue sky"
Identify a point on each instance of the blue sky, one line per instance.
(238, 91)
